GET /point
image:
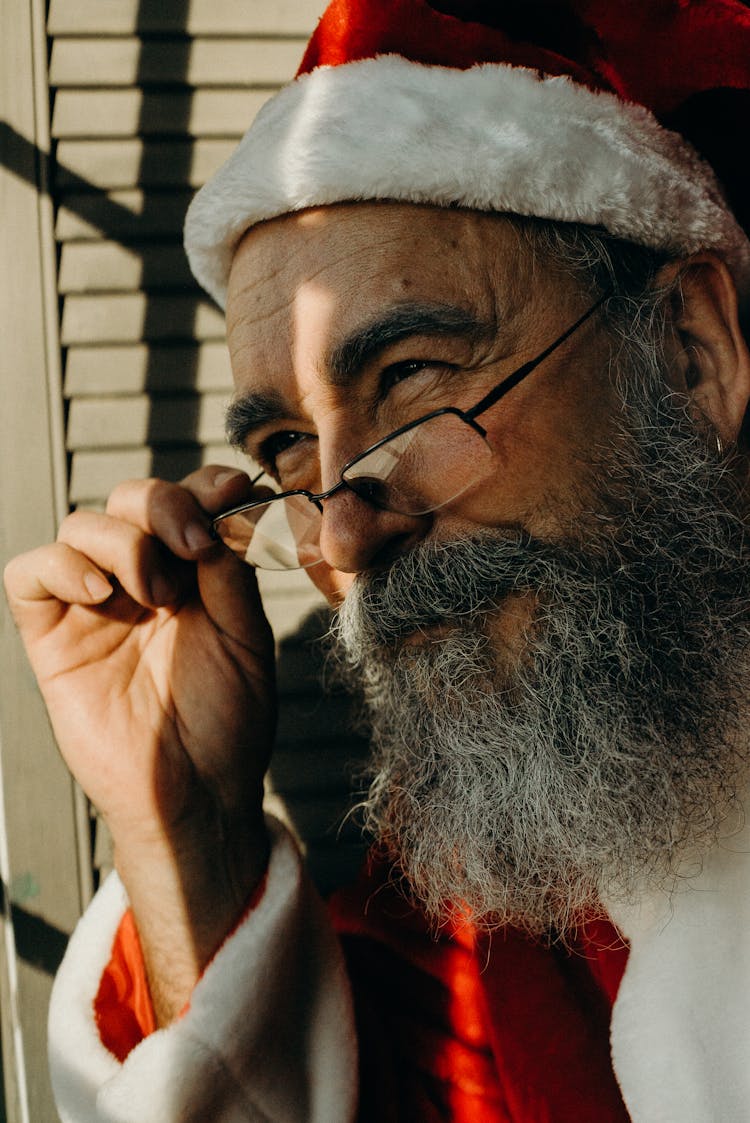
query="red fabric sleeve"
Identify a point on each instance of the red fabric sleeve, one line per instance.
(123, 1009)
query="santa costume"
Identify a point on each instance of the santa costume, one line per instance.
(625, 116)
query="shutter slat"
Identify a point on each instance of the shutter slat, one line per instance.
(305, 774)
(131, 317)
(132, 369)
(301, 671)
(110, 164)
(109, 266)
(203, 17)
(127, 215)
(301, 715)
(94, 473)
(141, 419)
(319, 818)
(127, 113)
(293, 608)
(197, 62)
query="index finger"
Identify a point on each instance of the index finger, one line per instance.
(216, 487)
(179, 514)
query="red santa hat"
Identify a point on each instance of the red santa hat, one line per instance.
(627, 116)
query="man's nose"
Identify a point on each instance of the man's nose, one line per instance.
(356, 536)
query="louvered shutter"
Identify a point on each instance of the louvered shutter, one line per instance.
(148, 99)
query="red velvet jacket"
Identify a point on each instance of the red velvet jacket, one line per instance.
(460, 1027)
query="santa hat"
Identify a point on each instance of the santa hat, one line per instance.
(628, 116)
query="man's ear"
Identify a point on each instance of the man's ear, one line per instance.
(713, 359)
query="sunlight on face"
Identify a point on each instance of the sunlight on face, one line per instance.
(328, 283)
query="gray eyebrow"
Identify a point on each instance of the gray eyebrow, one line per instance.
(248, 412)
(347, 358)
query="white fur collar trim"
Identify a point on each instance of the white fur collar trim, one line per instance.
(493, 138)
(680, 1025)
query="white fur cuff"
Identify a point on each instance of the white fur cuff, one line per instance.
(269, 1035)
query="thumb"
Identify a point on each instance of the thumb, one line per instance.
(229, 591)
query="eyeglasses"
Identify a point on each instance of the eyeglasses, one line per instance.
(416, 469)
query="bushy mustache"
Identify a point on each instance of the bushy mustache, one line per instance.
(439, 583)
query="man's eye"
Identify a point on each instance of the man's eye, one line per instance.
(399, 372)
(277, 443)
(282, 454)
(402, 372)
(429, 376)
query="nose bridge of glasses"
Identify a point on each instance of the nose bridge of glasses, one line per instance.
(357, 490)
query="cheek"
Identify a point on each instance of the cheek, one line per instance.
(540, 473)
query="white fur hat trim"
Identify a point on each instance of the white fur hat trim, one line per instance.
(492, 138)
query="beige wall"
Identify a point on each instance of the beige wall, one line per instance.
(113, 365)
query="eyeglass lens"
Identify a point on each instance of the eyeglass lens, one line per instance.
(413, 473)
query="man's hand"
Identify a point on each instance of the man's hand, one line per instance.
(155, 660)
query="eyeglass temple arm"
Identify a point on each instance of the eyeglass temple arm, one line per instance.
(519, 375)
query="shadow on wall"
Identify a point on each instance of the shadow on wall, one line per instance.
(314, 768)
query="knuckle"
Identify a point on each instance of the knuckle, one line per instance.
(202, 475)
(162, 497)
(72, 523)
(122, 495)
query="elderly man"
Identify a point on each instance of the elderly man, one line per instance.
(486, 331)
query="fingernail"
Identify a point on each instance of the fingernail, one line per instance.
(222, 478)
(98, 587)
(197, 537)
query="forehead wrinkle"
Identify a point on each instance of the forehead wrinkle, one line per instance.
(284, 264)
(347, 358)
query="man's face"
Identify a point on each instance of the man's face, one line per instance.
(305, 286)
(552, 665)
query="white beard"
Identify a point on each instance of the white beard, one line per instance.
(612, 748)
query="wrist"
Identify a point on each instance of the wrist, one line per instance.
(187, 892)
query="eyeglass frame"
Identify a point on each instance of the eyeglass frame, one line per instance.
(467, 416)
